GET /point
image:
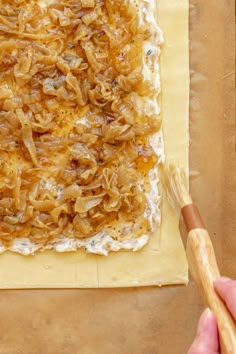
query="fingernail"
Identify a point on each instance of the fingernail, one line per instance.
(205, 317)
(222, 280)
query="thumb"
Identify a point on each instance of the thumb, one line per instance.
(206, 340)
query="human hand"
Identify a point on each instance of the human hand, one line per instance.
(206, 340)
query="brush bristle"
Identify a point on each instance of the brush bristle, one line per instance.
(175, 184)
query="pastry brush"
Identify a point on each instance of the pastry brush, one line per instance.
(200, 254)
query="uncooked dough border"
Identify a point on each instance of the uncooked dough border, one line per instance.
(162, 261)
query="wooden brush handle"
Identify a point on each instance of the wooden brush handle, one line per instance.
(204, 269)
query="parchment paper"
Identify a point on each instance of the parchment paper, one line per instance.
(151, 320)
(163, 260)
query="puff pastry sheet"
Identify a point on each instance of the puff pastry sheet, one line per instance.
(162, 261)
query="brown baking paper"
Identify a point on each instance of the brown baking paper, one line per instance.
(163, 260)
(151, 320)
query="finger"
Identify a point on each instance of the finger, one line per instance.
(226, 288)
(206, 340)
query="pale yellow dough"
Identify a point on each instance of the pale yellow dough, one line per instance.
(163, 260)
